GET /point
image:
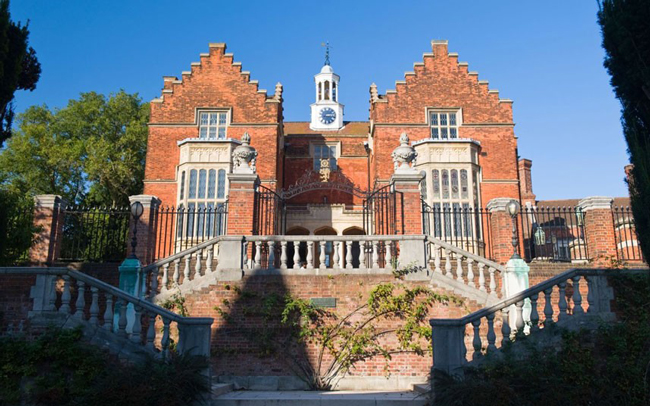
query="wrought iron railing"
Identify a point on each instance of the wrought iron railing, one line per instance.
(269, 212)
(383, 212)
(627, 243)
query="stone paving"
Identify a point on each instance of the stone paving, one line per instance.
(316, 398)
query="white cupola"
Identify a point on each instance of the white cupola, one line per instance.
(327, 112)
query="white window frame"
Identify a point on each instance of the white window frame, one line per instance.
(220, 129)
(444, 126)
(335, 158)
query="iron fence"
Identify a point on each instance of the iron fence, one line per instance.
(383, 212)
(269, 212)
(179, 228)
(553, 234)
(98, 234)
(627, 243)
(459, 224)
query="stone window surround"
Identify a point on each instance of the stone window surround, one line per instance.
(197, 120)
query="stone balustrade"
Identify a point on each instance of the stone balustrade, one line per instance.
(558, 301)
(72, 298)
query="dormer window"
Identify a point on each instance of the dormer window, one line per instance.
(213, 124)
(444, 124)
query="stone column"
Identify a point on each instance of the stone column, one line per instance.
(500, 230)
(241, 201)
(146, 226)
(407, 187)
(48, 221)
(599, 229)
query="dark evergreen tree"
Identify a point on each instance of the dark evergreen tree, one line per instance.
(625, 26)
(19, 67)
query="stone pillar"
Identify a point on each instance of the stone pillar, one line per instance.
(448, 337)
(500, 230)
(48, 221)
(146, 226)
(599, 229)
(407, 187)
(241, 202)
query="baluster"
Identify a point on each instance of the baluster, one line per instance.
(310, 255)
(94, 306)
(186, 270)
(577, 297)
(477, 339)
(296, 255)
(121, 323)
(505, 327)
(52, 302)
(534, 315)
(258, 255)
(197, 265)
(271, 258)
(481, 277)
(519, 316)
(548, 307)
(459, 268)
(436, 259)
(562, 304)
(151, 331)
(348, 254)
(470, 273)
(208, 260)
(164, 342)
(177, 273)
(136, 331)
(246, 260)
(65, 296)
(337, 256)
(389, 254)
(491, 335)
(375, 254)
(445, 252)
(590, 295)
(154, 283)
(362, 255)
(321, 257)
(493, 284)
(80, 304)
(341, 254)
(283, 255)
(108, 313)
(165, 278)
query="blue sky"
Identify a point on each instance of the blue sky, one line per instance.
(546, 56)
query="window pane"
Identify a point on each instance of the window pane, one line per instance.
(434, 118)
(212, 133)
(200, 220)
(332, 152)
(213, 119)
(454, 184)
(445, 184)
(458, 226)
(222, 119)
(464, 190)
(191, 212)
(212, 183)
(467, 220)
(192, 189)
(452, 118)
(436, 183)
(434, 133)
(446, 214)
(179, 221)
(437, 220)
(444, 133)
(221, 187)
(204, 119)
(333, 164)
(222, 133)
(452, 133)
(202, 174)
(203, 132)
(209, 221)
(423, 189)
(182, 185)
(443, 119)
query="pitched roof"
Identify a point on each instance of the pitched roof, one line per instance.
(349, 128)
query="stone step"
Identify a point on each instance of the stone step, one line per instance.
(318, 398)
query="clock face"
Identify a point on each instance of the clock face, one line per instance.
(327, 115)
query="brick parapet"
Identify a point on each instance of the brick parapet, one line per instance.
(241, 201)
(146, 227)
(407, 187)
(599, 229)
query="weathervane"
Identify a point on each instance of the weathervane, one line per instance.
(327, 52)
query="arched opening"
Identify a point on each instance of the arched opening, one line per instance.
(327, 90)
(320, 91)
(302, 248)
(333, 91)
(329, 247)
(355, 245)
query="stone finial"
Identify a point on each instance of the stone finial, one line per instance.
(278, 91)
(404, 156)
(374, 95)
(244, 157)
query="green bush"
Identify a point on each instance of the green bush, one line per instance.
(609, 366)
(59, 369)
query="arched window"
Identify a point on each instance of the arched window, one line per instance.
(333, 91)
(320, 91)
(327, 90)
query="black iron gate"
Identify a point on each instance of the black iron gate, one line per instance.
(269, 212)
(383, 212)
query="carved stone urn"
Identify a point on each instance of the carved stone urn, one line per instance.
(404, 156)
(244, 156)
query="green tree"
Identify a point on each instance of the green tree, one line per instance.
(19, 67)
(625, 26)
(91, 152)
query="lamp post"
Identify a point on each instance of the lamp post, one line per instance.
(136, 211)
(513, 210)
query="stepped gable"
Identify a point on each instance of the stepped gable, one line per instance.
(216, 81)
(440, 81)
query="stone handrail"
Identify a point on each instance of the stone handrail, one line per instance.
(464, 266)
(520, 313)
(193, 332)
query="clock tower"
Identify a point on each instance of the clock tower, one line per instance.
(327, 112)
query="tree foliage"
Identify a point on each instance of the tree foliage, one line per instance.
(626, 38)
(92, 151)
(19, 67)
